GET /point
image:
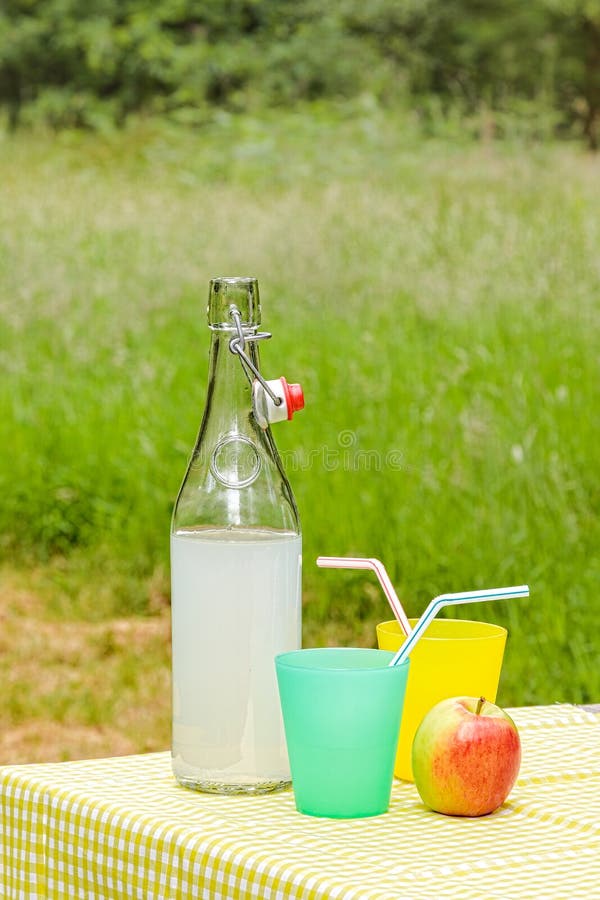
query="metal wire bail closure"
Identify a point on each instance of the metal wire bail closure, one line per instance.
(272, 401)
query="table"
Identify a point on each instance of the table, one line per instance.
(122, 828)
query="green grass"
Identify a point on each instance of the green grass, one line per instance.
(437, 299)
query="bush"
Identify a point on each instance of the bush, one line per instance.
(89, 62)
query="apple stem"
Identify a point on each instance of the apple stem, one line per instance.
(480, 703)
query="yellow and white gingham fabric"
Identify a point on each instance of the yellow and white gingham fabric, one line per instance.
(122, 828)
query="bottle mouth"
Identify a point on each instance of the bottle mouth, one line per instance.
(233, 279)
(230, 292)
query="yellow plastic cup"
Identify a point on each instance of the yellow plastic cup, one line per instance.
(455, 657)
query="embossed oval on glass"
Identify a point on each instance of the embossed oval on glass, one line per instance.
(235, 461)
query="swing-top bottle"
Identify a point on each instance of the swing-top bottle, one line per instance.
(235, 571)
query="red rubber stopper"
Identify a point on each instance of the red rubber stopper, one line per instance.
(294, 397)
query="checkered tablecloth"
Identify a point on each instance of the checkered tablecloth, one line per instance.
(122, 828)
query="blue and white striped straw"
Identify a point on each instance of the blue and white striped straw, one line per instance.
(453, 600)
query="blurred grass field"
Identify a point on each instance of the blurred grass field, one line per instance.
(439, 301)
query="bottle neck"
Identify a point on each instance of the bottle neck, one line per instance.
(229, 395)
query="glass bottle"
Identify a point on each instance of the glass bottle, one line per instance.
(236, 552)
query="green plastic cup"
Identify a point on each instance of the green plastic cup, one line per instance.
(341, 711)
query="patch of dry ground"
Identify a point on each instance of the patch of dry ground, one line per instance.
(76, 689)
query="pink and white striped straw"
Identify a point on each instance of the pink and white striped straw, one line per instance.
(353, 562)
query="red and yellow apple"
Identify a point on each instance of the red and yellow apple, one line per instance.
(466, 756)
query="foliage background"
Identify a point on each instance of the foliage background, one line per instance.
(94, 62)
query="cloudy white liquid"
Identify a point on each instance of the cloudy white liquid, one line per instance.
(235, 604)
